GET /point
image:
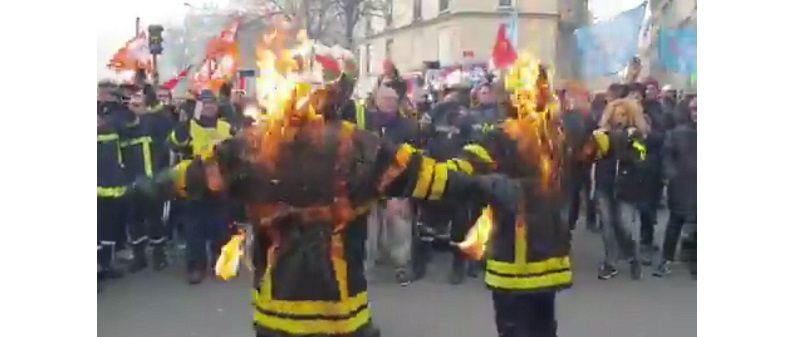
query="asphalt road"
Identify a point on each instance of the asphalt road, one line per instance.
(150, 304)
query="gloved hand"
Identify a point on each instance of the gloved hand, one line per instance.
(498, 191)
(152, 187)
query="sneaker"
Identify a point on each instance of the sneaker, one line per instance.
(636, 270)
(647, 252)
(402, 278)
(607, 271)
(663, 270)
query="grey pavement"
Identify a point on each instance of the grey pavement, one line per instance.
(150, 304)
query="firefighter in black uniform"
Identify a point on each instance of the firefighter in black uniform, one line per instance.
(529, 259)
(312, 280)
(449, 130)
(110, 184)
(144, 152)
(206, 216)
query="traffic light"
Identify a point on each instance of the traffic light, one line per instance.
(155, 38)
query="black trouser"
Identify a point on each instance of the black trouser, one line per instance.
(648, 207)
(110, 222)
(206, 228)
(581, 183)
(672, 235)
(460, 223)
(146, 222)
(525, 315)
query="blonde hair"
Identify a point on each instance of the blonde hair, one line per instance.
(635, 115)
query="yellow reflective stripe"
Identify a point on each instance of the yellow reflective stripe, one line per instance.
(539, 267)
(136, 141)
(254, 296)
(148, 160)
(315, 326)
(348, 306)
(107, 137)
(180, 177)
(452, 165)
(146, 154)
(339, 265)
(464, 166)
(439, 181)
(110, 192)
(641, 149)
(529, 282)
(110, 137)
(174, 140)
(424, 178)
(479, 151)
(360, 116)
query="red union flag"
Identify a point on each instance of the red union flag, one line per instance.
(503, 54)
(133, 55)
(171, 84)
(221, 61)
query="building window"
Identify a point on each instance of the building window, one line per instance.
(444, 5)
(417, 10)
(504, 3)
(368, 59)
(368, 26)
(389, 45)
(389, 12)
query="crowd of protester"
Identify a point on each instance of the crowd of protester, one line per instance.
(142, 129)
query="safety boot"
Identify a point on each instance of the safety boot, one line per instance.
(139, 259)
(159, 258)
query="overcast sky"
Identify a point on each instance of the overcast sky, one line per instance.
(117, 22)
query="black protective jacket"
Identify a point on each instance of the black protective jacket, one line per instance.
(680, 169)
(448, 131)
(619, 173)
(303, 200)
(530, 246)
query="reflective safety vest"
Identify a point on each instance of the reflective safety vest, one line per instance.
(204, 139)
(529, 249)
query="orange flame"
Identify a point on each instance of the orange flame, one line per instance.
(536, 130)
(284, 91)
(474, 244)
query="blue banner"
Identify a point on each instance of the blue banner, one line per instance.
(513, 28)
(677, 50)
(606, 48)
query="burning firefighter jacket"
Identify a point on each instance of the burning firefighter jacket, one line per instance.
(304, 186)
(530, 246)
